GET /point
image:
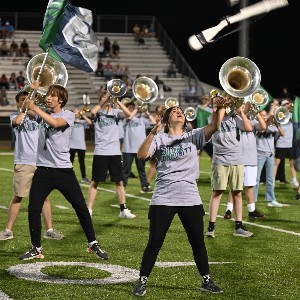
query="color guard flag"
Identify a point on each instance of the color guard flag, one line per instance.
(68, 35)
(202, 117)
(296, 133)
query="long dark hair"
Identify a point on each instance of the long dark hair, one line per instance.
(166, 117)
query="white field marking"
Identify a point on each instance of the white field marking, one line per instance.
(3, 207)
(119, 274)
(245, 222)
(7, 170)
(3, 296)
(264, 226)
(169, 264)
(61, 207)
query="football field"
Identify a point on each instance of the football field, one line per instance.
(262, 267)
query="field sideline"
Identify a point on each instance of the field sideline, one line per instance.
(263, 267)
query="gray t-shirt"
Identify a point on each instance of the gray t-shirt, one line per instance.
(107, 132)
(26, 140)
(177, 168)
(265, 141)
(54, 143)
(77, 138)
(227, 142)
(286, 141)
(249, 145)
(134, 133)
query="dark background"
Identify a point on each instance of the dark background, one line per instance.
(273, 37)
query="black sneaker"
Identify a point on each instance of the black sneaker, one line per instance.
(227, 214)
(297, 197)
(284, 182)
(256, 214)
(209, 286)
(98, 251)
(140, 288)
(146, 189)
(31, 254)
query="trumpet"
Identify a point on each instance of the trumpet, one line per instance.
(83, 111)
(142, 107)
(116, 88)
(282, 115)
(190, 113)
(258, 98)
(170, 102)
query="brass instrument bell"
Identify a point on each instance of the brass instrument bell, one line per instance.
(170, 102)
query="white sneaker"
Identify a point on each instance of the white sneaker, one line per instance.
(295, 184)
(274, 204)
(6, 235)
(126, 214)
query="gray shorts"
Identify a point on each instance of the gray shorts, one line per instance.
(22, 179)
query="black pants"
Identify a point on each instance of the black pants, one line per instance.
(44, 181)
(81, 158)
(161, 217)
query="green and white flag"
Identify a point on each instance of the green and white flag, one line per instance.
(68, 35)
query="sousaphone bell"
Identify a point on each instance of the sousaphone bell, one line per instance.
(53, 72)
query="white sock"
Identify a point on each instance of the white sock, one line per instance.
(49, 230)
(229, 206)
(251, 207)
(92, 243)
(294, 180)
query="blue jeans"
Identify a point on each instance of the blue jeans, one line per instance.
(140, 164)
(269, 162)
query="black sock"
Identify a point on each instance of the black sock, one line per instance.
(211, 225)
(238, 224)
(123, 206)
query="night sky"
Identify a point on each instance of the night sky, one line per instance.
(272, 36)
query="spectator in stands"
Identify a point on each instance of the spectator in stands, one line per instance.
(140, 39)
(107, 46)
(136, 29)
(115, 50)
(13, 84)
(101, 52)
(24, 48)
(21, 80)
(189, 93)
(118, 71)
(145, 31)
(100, 66)
(4, 82)
(10, 30)
(172, 71)
(108, 70)
(4, 50)
(151, 30)
(3, 97)
(14, 49)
